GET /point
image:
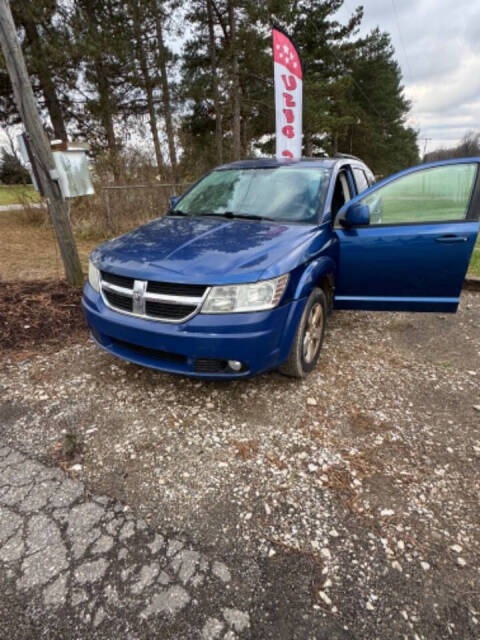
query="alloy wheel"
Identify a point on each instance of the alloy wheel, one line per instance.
(313, 333)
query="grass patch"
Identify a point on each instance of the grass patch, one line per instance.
(404, 210)
(18, 194)
(30, 252)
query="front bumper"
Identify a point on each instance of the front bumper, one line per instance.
(199, 346)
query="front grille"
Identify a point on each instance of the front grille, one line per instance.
(173, 289)
(119, 301)
(167, 301)
(165, 310)
(147, 351)
(120, 281)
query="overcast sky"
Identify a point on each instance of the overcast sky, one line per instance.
(437, 43)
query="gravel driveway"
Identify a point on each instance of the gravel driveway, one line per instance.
(350, 500)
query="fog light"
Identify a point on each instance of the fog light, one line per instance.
(235, 365)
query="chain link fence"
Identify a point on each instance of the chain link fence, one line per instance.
(127, 204)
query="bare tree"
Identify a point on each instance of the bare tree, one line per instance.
(216, 98)
(34, 17)
(148, 80)
(40, 68)
(236, 82)
(167, 105)
(469, 146)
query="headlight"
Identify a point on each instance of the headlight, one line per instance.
(235, 298)
(93, 276)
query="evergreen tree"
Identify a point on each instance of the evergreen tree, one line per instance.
(44, 38)
(226, 78)
(44, 45)
(378, 132)
(344, 79)
(103, 49)
(101, 66)
(11, 169)
(323, 44)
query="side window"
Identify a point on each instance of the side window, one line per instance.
(341, 193)
(360, 180)
(429, 195)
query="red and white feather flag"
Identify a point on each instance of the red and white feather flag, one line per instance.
(288, 96)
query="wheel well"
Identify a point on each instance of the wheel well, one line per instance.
(327, 283)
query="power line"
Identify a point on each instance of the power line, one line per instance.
(352, 76)
(401, 42)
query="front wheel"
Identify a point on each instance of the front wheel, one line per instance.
(309, 337)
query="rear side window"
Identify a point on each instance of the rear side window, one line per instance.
(341, 193)
(360, 179)
(429, 195)
(370, 177)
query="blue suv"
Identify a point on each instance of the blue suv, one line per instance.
(240, 275)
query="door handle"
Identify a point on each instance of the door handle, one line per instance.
(450, 238)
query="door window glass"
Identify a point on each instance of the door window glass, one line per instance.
(360, 180)
(430, 195)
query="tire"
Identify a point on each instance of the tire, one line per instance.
(305, 351)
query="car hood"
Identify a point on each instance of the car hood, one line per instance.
(203, 250)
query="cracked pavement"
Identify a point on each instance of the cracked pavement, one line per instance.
(86, 565)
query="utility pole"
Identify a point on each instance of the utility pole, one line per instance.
(24, 99)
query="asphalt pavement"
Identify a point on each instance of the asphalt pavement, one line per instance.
(75, 565)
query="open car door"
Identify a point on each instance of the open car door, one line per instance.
(405, 243)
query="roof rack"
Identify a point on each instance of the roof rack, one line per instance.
(346, 155)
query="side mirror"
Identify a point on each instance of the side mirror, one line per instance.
(172, 201)
(355, 215)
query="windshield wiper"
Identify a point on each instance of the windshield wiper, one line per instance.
(231, 214)
(252, 216)
(177, 212)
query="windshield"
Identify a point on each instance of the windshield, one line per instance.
(281, 193)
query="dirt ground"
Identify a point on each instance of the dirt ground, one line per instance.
(355, 491)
